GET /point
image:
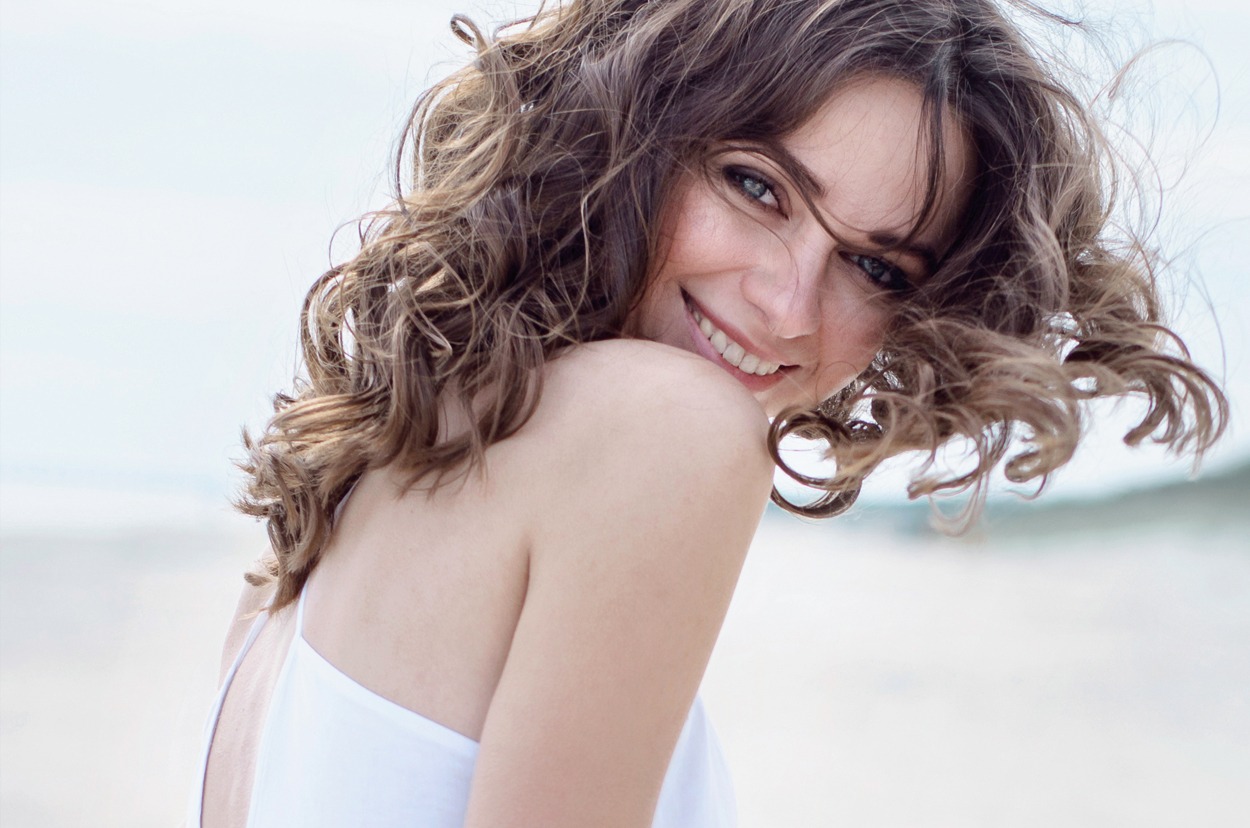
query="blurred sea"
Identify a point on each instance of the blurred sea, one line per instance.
(1068, 663)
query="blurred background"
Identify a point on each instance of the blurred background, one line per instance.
(171, 179)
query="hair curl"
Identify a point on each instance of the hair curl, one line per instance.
(530, 224)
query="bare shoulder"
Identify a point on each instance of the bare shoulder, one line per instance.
(648, 475)
(657, 394)
(653, 431)
(645, 425)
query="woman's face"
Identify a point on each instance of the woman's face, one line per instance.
(749, 279)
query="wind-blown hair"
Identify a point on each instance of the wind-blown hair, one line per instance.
(530, 189)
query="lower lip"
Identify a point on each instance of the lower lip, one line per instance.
(753, 382)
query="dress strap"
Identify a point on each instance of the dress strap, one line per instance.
(257, 624)
(299, 611)
(196, 805)
(303, 593)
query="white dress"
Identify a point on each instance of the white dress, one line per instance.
(334, 754)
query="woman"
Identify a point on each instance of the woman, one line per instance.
(643, 242)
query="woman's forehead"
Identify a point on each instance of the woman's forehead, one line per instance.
(866, 151)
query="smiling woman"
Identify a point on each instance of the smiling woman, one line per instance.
(635, 245)
(794, 284)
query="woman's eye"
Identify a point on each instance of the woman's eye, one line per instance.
(881, 273)
(753, 185)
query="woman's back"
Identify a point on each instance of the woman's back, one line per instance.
(418, 596)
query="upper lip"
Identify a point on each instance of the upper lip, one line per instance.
(748, 344)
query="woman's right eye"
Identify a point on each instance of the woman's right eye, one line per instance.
(754, 186)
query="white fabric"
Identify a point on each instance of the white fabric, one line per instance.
(334, 754)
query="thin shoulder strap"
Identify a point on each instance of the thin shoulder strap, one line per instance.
(257, 624)
(196, 805)
(299, 611)
(303, 593)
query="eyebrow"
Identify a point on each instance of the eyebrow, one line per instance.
(808, 181)
(797, 170)
(890, 241)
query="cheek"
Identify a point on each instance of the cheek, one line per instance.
(870, 336)
(851, 342)
(656, 316)
(705, 234)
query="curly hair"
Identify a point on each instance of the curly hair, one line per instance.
(529, 189)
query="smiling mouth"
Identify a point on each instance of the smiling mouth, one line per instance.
(730, 351)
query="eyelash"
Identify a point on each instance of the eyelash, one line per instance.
(738, 178)
(879, 272)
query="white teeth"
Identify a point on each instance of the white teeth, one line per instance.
(731, 351)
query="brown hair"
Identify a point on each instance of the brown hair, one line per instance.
(530, 224)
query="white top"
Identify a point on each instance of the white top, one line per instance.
(333, 753)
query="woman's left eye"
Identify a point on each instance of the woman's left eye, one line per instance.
(881, 273)
(753, 185)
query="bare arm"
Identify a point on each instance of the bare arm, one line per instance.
(633, 564)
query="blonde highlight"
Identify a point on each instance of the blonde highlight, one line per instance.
(529, 189)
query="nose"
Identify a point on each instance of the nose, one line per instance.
(785, 287)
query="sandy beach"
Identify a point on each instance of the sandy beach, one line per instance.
(866, 675)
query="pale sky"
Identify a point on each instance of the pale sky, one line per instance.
(171, 176)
